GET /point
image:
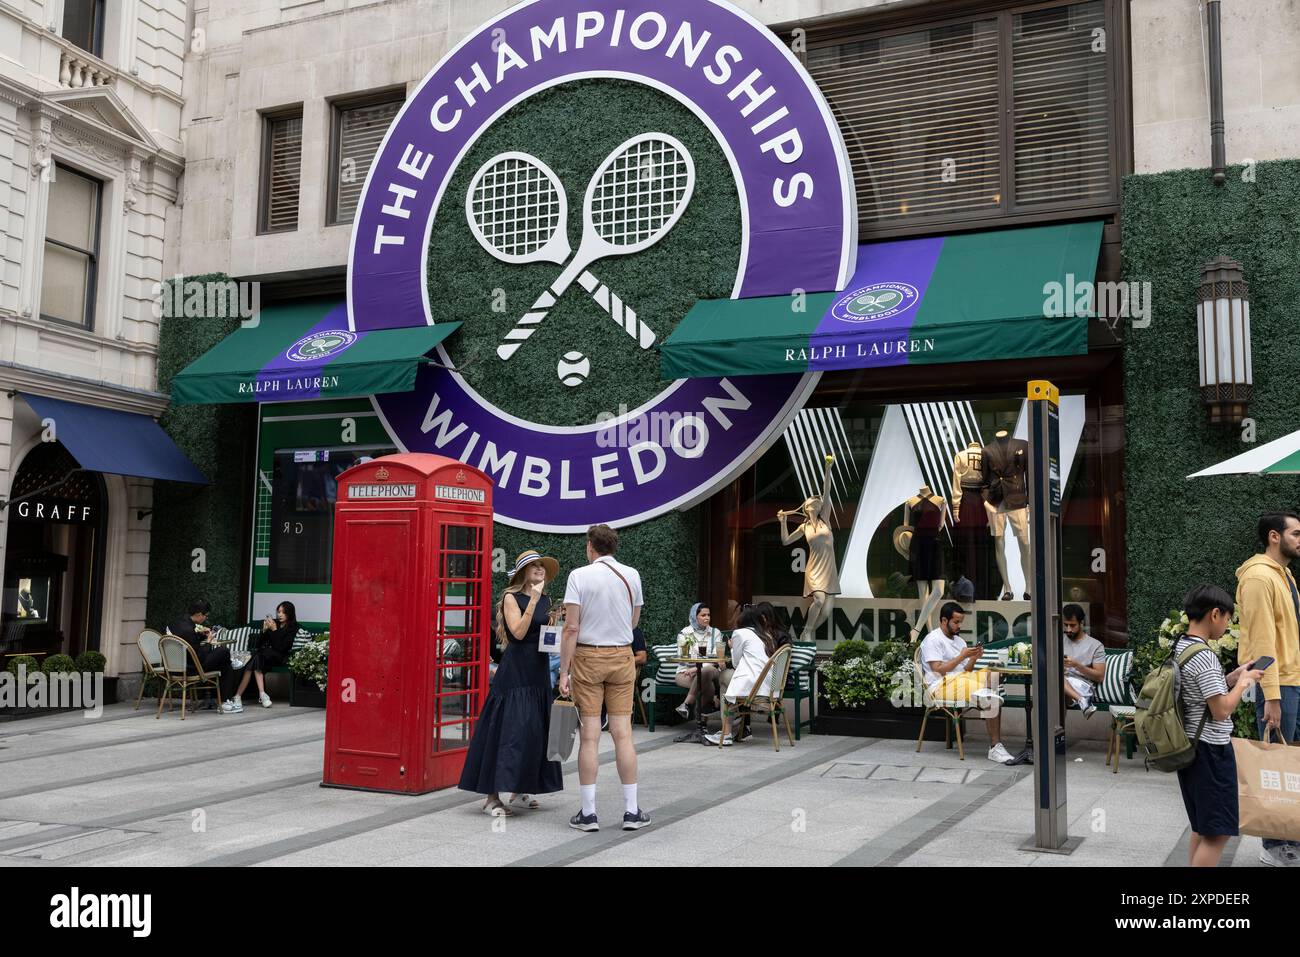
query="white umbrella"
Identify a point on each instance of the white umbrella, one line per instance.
(1279, 457)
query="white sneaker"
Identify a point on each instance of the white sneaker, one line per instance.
(713, 739)
(264, 699)
(684, 710)
(233, 706)
(1284, 856)
(1000, 754)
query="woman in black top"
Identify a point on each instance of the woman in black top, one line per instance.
(271, 648)
(507, 752)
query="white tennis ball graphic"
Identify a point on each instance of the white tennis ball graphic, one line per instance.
(573, 369)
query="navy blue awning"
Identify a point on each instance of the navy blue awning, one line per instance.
(120, 443)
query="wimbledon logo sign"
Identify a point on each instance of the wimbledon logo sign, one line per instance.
(881, 300)
(798, 233)
(320, 345)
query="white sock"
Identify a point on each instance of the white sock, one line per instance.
(629, 798)
(588, 792)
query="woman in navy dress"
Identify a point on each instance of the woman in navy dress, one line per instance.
(508, 749)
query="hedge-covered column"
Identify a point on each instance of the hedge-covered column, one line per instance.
(1180, 531)
(197, 532)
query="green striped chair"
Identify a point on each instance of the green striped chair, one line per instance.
(1115, 695)
(799, 686)
(654, 687)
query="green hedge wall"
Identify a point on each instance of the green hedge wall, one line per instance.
(696, 260)
(1183, 532)
(217, 439)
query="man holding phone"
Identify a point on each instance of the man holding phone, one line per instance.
(948, 667)
(1269, 605)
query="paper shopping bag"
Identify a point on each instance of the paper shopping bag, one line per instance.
(1268, 789)
(564, 728)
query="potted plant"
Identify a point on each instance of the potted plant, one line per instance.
(92, 662)
(309, 665)
(866, 689)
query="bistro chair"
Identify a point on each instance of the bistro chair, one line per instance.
(1115, 693)
(175, 654)
(772, 705)
(147, 641)
(952, 711)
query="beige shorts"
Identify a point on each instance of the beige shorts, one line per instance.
(602, 675)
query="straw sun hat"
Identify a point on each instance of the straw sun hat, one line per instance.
(528, 557)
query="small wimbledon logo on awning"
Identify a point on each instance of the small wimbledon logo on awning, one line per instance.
(878, 301)
(321, 345)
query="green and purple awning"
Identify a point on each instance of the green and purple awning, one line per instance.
(306, 351)
(1006, 294)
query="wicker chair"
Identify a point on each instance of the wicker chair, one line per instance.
(175, 654)
(952, 711)
(147, 641)
(778, 667)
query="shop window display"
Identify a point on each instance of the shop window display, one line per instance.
(305, 491)
(918, 503)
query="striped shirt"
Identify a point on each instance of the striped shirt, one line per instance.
(1202, 678)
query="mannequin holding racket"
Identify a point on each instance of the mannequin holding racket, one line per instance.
(518, 211)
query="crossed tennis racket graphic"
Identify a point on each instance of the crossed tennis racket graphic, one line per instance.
(518, 211)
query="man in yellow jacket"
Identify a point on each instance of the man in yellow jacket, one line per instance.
(1269, 604)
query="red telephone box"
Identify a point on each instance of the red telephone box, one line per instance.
(409, 622)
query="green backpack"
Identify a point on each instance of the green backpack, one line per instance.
(1159, 718)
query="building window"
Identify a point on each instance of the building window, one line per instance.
(281, 173)
(1009, 114)
(71, 248)
(357, 130)
(83, 24)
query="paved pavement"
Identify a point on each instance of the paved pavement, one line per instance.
(127, 789)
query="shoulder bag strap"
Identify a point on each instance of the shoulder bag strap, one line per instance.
(630, 602)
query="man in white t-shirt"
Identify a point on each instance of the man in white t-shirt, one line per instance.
(948, 667)
(602, 604)
(1085, 660)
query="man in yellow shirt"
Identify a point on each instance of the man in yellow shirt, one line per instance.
(1269, 604)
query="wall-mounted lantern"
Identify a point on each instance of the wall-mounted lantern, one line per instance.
(1223, 327)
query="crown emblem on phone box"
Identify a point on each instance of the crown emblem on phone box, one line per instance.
(382, 474)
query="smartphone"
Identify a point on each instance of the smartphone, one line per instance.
(1262, 664)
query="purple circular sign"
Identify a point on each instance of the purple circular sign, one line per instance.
(799, 224)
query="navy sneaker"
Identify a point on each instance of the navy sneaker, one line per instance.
(585, 822)
(634, 822)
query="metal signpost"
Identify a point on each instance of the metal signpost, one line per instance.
(1050, 817)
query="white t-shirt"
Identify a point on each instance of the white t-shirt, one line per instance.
(606, 617)
(939, 647)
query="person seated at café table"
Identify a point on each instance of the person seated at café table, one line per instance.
(698, 633)
(751, 647)
(271, 648)
(1085, 660)
(191, 629)
(948, 668)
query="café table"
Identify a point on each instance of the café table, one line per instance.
(1019, 674)
(696, 736)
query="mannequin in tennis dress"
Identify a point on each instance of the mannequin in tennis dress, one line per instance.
(927, 514)
(821, 577)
